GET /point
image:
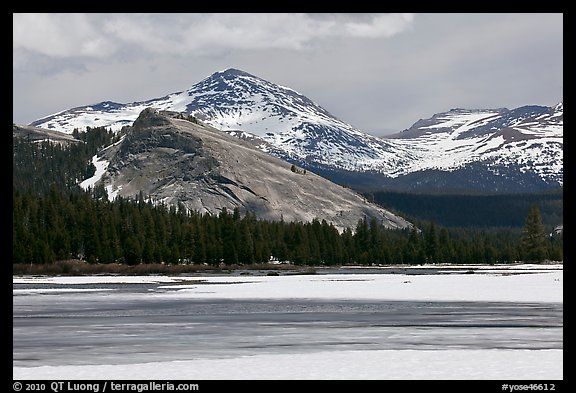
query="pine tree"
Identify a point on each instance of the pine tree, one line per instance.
(246, 244)
(431, 243)
(534, 240)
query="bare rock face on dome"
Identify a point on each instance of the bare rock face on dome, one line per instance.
(175, 159)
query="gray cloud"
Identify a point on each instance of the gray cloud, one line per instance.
(102, 35)
(61, 35)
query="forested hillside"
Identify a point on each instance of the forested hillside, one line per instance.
(53, 219)
(474, 210)
(38, 166)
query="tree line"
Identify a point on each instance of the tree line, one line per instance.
(53, 219)
(38, 166)
(473, 210)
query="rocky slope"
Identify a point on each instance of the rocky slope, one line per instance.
(37, 134)
(175, 159)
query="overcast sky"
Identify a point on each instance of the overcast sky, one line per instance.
(378, 72)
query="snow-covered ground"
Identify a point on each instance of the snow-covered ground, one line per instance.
(490, 364)
(517, 283)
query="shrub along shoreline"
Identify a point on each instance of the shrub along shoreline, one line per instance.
(74, 267)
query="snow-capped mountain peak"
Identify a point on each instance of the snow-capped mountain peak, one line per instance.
(236, 100)
(509, 147)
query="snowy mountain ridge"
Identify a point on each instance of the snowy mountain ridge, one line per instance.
(523, 145)
(498, 138)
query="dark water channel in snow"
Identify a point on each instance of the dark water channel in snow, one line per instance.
(133, 323)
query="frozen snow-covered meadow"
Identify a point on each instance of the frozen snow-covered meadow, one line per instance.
(463, 322)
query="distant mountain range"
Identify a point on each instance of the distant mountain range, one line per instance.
(495, 150)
